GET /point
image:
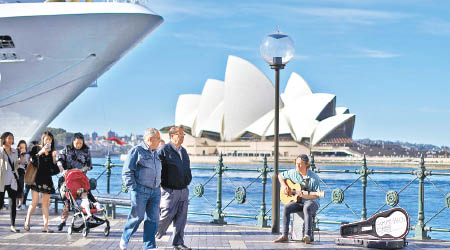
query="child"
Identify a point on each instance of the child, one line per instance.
(83, 202)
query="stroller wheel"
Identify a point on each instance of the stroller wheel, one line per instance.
(69, 230)
(106, 232)
(85, 232)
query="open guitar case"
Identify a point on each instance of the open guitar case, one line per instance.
(384, 230)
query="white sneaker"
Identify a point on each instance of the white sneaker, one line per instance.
(307, 239)
(123, 245)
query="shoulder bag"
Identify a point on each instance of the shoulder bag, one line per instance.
(30, 173)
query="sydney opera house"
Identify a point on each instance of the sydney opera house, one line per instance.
(236, 116)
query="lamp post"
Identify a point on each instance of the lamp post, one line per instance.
(277, 49)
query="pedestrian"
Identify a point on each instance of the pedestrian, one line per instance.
(308, 204)
(175, 178)
(73, 156)
(28, 187)
(141, 174)
(43, 157)
(24, 157)
(9, 177)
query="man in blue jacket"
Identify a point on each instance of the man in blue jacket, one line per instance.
(175, 178)
(141, 174)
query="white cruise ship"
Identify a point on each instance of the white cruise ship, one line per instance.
(50, 52)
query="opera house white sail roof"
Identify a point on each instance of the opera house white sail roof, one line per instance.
(243, 103)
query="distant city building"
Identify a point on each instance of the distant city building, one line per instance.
(242, 108)
(110, 134)
(94, 136)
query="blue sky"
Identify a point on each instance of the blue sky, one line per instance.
(387, 61)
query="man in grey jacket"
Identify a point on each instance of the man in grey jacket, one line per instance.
(141, 173)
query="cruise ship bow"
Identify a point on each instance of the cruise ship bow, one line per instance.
(51, 52)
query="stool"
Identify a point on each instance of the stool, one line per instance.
(298, 229)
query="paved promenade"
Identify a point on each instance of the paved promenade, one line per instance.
(198, 236)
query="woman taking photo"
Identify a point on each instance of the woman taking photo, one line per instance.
(73, 156)
(8, 175)
(43, 157)
(24, 157)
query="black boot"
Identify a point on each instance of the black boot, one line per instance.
(61, 226)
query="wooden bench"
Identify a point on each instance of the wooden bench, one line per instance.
(110, 201)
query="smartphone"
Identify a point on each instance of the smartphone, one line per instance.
(47, 146)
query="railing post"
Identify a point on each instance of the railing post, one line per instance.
(108, 173)
(419, 231)
(364, 171)
(313, 164)
(218, 217)
(262, 221)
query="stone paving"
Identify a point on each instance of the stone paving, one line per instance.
(198, 236)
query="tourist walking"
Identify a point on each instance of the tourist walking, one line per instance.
(175, 178)
(73, 156)
(24, 157)
(141, 174)
(309, 203)
(43, 157)
(28, 187)
(9, 176)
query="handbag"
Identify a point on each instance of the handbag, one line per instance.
(30, 174)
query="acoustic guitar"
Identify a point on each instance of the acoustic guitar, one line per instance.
(296, 189)
(392, 223)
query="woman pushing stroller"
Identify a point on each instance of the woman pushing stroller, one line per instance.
(74, 156)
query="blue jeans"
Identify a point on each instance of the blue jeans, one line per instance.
(144, 206)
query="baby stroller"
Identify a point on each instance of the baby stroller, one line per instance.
(74, 180)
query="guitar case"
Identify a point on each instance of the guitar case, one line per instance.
(384, 230)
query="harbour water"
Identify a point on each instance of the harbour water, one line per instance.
(436, 187)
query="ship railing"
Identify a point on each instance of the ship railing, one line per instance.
(140, 2)
(211, 183)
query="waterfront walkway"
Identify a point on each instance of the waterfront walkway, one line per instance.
(198, 236)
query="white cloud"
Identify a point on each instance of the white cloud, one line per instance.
(301, 57)
(435, 27)
(349, 15)
(181, 9)
(377, 54)
(200, 41)
(433, 110)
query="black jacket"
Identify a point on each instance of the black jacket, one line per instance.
(175, 173)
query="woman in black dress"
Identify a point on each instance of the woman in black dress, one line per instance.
(43, 157)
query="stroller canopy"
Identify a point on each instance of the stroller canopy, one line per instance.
(75, 179)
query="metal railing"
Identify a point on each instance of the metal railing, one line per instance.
(392, 197)
(218, 211)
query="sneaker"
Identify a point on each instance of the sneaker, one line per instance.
(307, 239)
(181, 247)
(123, 245)
(158, 236)
(282, 238)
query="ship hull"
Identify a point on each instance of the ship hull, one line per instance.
(57, 56)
